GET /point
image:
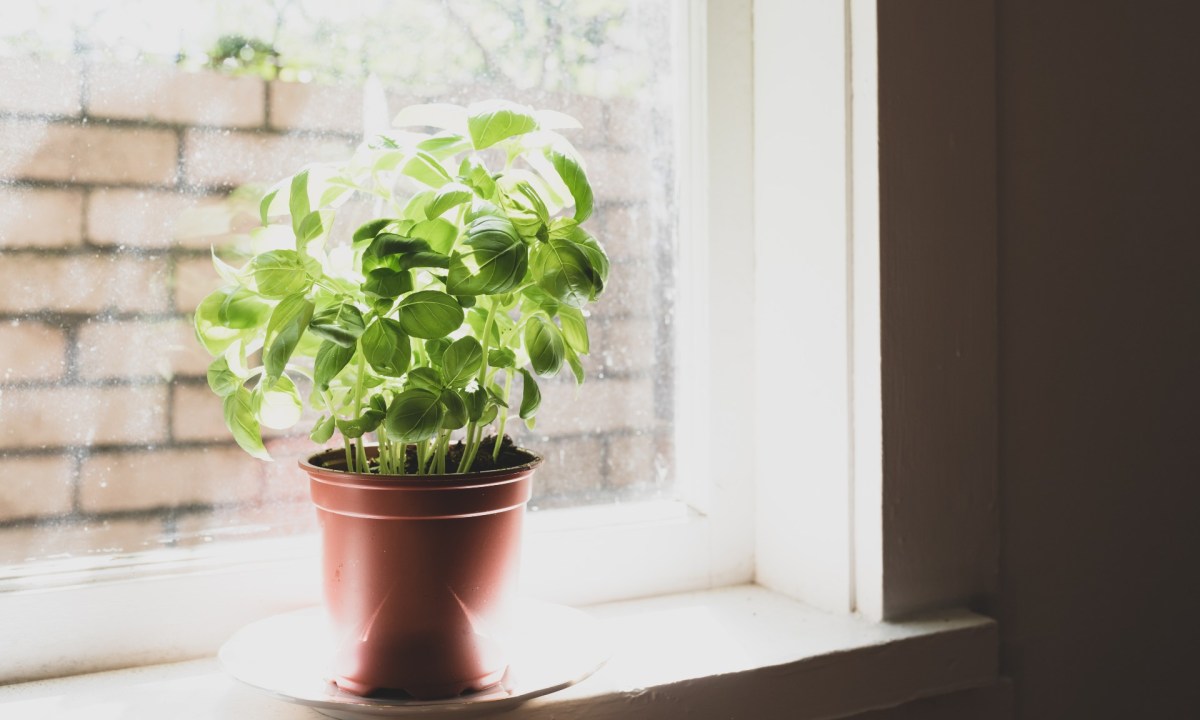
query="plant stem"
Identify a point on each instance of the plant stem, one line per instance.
(349, 454)
(508, 376)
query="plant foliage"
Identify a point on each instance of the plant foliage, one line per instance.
(474, 272)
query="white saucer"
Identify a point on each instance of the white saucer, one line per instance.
(287, 655)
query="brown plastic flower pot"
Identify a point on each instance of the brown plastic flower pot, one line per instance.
(420, 574)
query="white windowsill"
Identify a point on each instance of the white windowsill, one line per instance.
(734, 652)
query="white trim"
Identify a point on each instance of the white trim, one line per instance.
(803, 308)
(867, 356)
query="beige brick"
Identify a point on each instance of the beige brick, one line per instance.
(197, 414)
(40, 218)
(195, 278)
(92, 537)
(215, 157)
(572, 474)
(627, 232)
(86, 153)
(160, 219)
(619, 176)
(35, 486)
(596, 406)
(632, 290)
(624, 345)
(130, 349)
(86, 283)
(313, 106)
(82, 416)
(642, 459)
(170, 94)
(41, 87)
(167, 478)
(31, 351)
(284, 481)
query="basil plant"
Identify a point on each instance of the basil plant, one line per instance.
(475, 270)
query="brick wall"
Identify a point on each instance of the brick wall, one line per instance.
(113, 182)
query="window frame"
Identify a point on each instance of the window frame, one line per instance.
(173, 604)
(734, 528)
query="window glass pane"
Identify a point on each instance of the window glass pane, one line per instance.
(133, 136)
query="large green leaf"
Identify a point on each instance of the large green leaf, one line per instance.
(563, 270)
(288, 323)
(280, 273)
(425, 168)
(494, 120)
(448, 196)
(226, 315)
(439, 233)
(415, 415)
(575, 178)
(574, 329)
(531, 395)
(331, 359)
(455, 415)
(386, 347)
(238, 408)
(493, 260)
(461, 361)
(342, 323)
(221, 379)
(387, 283)
(544, 344)
(298, 204)
(429, 314)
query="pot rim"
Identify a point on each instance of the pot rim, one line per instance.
(470, 478)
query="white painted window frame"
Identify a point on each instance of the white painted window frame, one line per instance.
(747, 513)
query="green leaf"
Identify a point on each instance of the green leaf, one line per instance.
(444, 145)
(531, 395)
(223, 381)
(501, 358)
(476, 401)
(491, 121)
(298, 205)
(462, 361)
(225, 271)
(279, 273)
(563, 270)
(386, 347)
(397, 252)
(455, 410)
(439, 233)
(574, 329)
(264, 206)
(331, 360)
(494, 259)
(429, 314)
(322, 430)
(312, 227)
(544, 344)
(361, 425)
(387, 283)
(443, 116)
(473, 172)
(435, 349)
(239, 418)
(288, 323)
(489, 414)
(280, 406)
(425, 378)
(541, 300)
(342, 323)
(576, 365)
(368, 231)
(425, 168)
(575, 178)
(448, 196)
(414, 416)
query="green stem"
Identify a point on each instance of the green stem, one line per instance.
(486, 340)
(349, 454)
(508, 376)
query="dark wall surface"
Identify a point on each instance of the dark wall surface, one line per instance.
(1099, 329)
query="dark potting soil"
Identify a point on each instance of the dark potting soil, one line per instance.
(510, 457)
